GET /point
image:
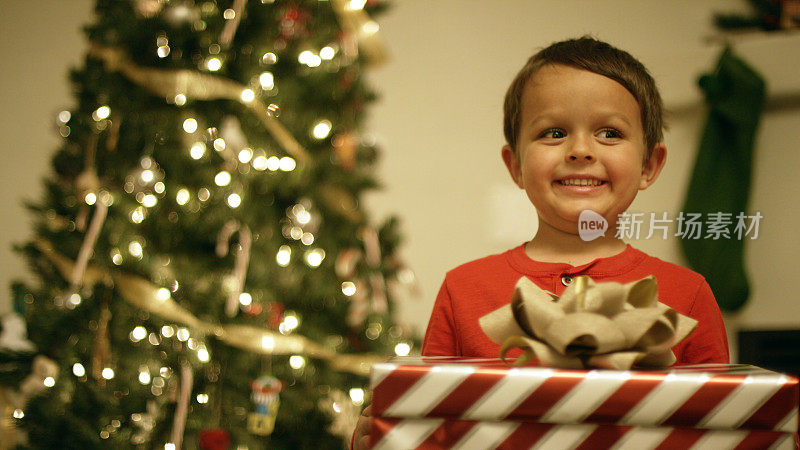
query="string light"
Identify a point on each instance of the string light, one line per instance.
(260, 162)
(297, 362)
(248, 95)
(182, 197)
(357, 4)
(327, 53)
(269, 58)
(314, 257)
(348, 288)
(74, 300)
(163, 51)
(284, 255)
(18, 414)
(169, 446)
(229, 14)
(101, 113)
(144, 375)
(245, 155)
(307, 238)
(213, 64)
(402, 349)
(203, 194)
(138, 333)
(222, 179)
(90, 198)
(267, 81)
(370, 28)
(202, 354)
(49, 381)
(167, 331)
(163, 294)
(202, 398)
(234, 200)
(357, 395)
(190, 125)
(287, 164)
(149, 200)
(245, 299)
(107, 373)
(159, 187)
(64, 117)
(182, 334)
(78, 370)
(273, 163)
(137, 215)
(197, 150)
(322, 129)
(219, 144)
(135, 249)
(290, 323)
(180, 99)
(267, 343)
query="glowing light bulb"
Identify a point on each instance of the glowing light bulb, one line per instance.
(159, 187)
(197, 150)
(137, 215)
(138, 333)
(402, 349)
(273, 163)
(101, 113)
(219, 144)
(49, 381)
(267, 81)
(180, 99)
(64, 116)
(357, 395)
(167, 331)
(190, 125)
(248, 95)
(222, 179)
(169, 446)
(327, 53)
(245, 299)
(245, 155)
(90, 198)
(149, 200)
(322, 129)
(286, 164)
(370, 28)
(183, 196)
(314, 257)
(267, 343)
(269, 58)
(74, 299)
(284, 255)
(107, 373)
(182, 334)
(297, 362)
(163, 294)
(202, 398)
(229, 14)
(348, 288)
(135, 249)
(357, 4)
(202, 354)
(234, 200)
(18, 414)
(260, 163)
(214, 64)
(78, 370)
(304, 57)
(144, 377)
(163, 51)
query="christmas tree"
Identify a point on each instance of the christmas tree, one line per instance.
(207, 276)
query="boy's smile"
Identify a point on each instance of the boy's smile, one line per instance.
(580, 146)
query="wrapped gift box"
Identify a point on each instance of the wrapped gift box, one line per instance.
(437, 397)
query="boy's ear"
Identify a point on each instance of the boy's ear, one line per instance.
(653, 166)
(513, 165)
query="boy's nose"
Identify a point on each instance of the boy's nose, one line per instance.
(580, 150)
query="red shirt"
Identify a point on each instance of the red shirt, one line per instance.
(479, 287)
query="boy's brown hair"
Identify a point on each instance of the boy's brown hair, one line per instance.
(601, 58)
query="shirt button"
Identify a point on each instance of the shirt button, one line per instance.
(566, 280)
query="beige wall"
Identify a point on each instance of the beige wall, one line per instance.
(439, 122)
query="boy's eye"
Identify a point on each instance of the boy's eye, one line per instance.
(553, 134)
(610, 133)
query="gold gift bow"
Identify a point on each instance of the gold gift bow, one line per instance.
(144, 294)
(196, 85)
(607, 325)
(357, 23)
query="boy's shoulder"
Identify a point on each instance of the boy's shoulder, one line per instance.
(484, 266)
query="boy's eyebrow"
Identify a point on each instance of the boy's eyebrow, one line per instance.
(602, 115)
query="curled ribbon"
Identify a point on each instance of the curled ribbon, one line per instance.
(143, 294)
(605, 325)
(200, 86)
(241, 262)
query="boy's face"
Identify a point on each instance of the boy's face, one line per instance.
(580, 146)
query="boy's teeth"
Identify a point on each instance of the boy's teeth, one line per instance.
(581, 182)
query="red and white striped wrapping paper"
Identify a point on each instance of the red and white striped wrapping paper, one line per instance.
(394, 434)
(706, 396)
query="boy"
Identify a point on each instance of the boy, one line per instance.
(583, 125)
